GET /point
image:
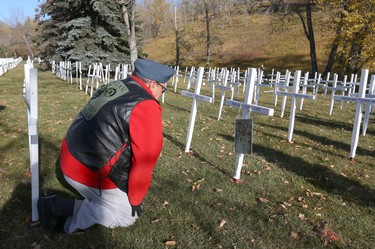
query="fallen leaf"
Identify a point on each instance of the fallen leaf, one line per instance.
(222, 223)
(155, 221)
(264, 200)
(201, 180)
(283, 206)
(294, 235)
(237, 181)
(301, 216)
(170, 243)
(323, 231)
(165, 204)
(195, 187)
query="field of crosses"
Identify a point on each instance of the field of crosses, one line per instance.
(228, 84)
(293, 85)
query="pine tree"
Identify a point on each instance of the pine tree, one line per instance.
(82, 30)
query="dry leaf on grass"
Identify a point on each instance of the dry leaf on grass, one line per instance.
(301, 216)
(317, 194)
(155, 221)
(264, 200)
(237, 181)
(294, 235)
(325, 233)
(267, 167)
(222, 223)
(197, 184)
(170, 243)
(195, 187)
(165, 204)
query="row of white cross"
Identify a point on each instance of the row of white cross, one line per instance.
(7, 64)
(97, 75)
(30, 96)
(252, 79)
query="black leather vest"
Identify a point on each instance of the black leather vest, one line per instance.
(101, 129)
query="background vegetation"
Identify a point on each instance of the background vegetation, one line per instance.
(329, 35)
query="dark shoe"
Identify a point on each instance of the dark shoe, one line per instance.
(53, 212)
(49, 221)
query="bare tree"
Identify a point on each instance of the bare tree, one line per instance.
(128, 14)
(5, 38)
(177, 31)
(209, 9)
(22, 32)
(303, 9)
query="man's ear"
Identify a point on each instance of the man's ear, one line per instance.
(153, 85)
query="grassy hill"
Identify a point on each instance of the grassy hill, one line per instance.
(249, 41)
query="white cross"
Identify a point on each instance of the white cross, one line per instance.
(371, 93)
(294, 94)
(223, 88)
(78, 75)
(195, 96)
(359, 99)
(335, 88)
(31, 101)
(247, 107)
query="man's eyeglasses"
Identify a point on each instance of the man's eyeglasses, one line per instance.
(164, 89)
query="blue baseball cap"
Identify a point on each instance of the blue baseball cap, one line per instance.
(153, 70)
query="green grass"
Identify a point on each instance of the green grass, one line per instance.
(288, 188)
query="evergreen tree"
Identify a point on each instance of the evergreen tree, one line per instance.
(82, 30)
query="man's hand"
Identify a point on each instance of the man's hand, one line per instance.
(136, 209)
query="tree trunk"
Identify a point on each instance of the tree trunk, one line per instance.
(28, 45)
(331, 58)
(177, 38)
(208, 37)
(314, 63)
(128, 16)
(335, 45)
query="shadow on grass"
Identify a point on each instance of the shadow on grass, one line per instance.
(323, 140)
(192, 152)
(178, 108)
(326, 123)
(320, 176)
(15, 214)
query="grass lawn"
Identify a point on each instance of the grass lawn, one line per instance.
(305, 194)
